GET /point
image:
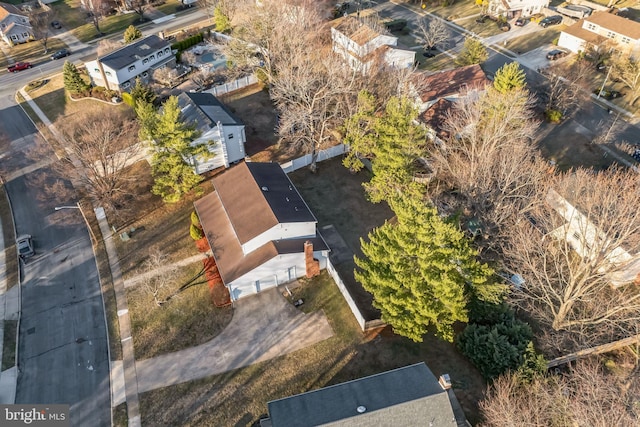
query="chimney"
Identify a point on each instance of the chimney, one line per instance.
(445, 381)
(312, 265)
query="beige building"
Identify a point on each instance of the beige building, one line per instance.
(597, 29)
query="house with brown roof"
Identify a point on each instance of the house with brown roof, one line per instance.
(260, 230)
(360, 44)
(14, 25)
(600, 27)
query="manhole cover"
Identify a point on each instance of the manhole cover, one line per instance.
(31, 331)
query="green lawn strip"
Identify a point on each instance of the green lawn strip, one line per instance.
(11, 257)
(70, 13)
(9, 344)
(529, 42)
(31, 52)
(120, 416)
(457, 10)
(108, 25)
(169, 7)
(486, 29)
(186, 320)
(437, 63)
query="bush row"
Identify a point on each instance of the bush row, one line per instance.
(188, 42)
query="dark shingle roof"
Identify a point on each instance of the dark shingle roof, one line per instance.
(131, 53)
(408, 396)
(205, 110)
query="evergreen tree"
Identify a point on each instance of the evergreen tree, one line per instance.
(508, 77)
(473, 52)
(142, 92)
(173, 153)
(391, 140)
(131, 34)
(148, 119)
(422, 271)
(73, 81)
(222, 21)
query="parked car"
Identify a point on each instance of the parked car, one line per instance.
(521, 22)
(607, 93)
(429, 54)
(556, 54)
(56, 24)
(25, 246)
(19, 66)
(60, 54)
(551, 20)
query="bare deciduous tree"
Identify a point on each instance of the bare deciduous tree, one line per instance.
(566, 85)
(97, 9)
(627, 70)
(99, 146)
(578, 253)
(160, 277)
(106, 46)
(165, 75)
(40, 20)
(586, 396)
(139, 7)
(433, 32)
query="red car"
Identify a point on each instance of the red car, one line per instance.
(19, 66)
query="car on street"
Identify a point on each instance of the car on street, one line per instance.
(607, 93)
(56, 24)
(521, 22)
(60, 54)
(19, 66)
(556, 54)
(551, 20)
(429, 54)
(24, 243)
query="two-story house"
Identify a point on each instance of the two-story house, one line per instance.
(595, 30)
(223, 132)
(260, 230)
(119, 69)
(511, 9)
(14, 25)
(361, 45)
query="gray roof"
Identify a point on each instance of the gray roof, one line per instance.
(131, 53)
(409, 396)
(205, 110)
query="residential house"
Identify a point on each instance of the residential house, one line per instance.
(119, 69)
(361, 45)
(408, 396)
(512, 9)
(261, 232)
(222, 131)
(595, 30)
(14, 25)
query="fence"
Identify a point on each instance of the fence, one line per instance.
(234, 85)
(305, 160)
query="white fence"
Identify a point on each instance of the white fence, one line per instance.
(234, 85)
(345, 293)
(305, 160)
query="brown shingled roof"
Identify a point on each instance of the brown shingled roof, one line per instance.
(451, 82)
(576, 30)
(7, 9)
(436, 115)
(358, 32)
(612, 22)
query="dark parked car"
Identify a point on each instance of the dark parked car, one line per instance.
(556, 54)
(60, 54)
(56, 24)
(607, 93)
(429, 54)
(551, 20)
(521, 22)
(19, 66)
(25, 246)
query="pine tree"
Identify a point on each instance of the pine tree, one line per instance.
(473, 52)
(222, 21)
(131, 34)
(392, 141)
(422, 271)
(173, 152)
(508, 77)
(73, 81)
(142, 92)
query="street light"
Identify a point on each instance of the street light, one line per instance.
(77, 206)
(604, 82)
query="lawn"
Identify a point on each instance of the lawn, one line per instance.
(459, 9)
(438, 63)
(528, 42)
(486, 29)
(240, 397)
(187, 320)
(168, 7)
(9, 343)
(31, 52)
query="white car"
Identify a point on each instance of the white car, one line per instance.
(25, 246)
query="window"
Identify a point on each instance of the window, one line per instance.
(96, 70)
(611, 34)
(145, 74)
(125, 85)
(144, 61)
(14, 37)
(159, 54)
(25, 35)
(626, 40)
(152, 57)
(131, 68)
(108, 73)
(167, 50)
(592, 27)
(230, 136)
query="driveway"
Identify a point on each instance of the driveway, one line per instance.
(263, 326)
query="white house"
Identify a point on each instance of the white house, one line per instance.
(220, 130)
(623, 33)
(14, 25)
(260, 230)
(516, 8)
(118, 70)
(360, 45)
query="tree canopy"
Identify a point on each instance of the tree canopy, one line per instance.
(73, 81)
(508, 77)
(473, 52)
(131, 34)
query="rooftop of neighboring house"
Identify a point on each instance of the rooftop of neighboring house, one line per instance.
(405, 396)
(9, 9)
(450, 82)
(435, 116)
(133, 52)
(356, 30)
(205, 110)
(250, 199)
(578, 31)
(616, 23)
(17, 26)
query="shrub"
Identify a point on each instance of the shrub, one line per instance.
(195, 220)
(555, 41)
(196, 233)
(128, 99)
(554, 116)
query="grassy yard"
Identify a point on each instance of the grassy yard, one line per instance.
(438, 63)
(168, 7)
(9, 344)
(486, 29)
(535, 40)
(30, 52)
(187, 320)
(239, 397)
(459, 9)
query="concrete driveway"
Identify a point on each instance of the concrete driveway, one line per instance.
(263, 326)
